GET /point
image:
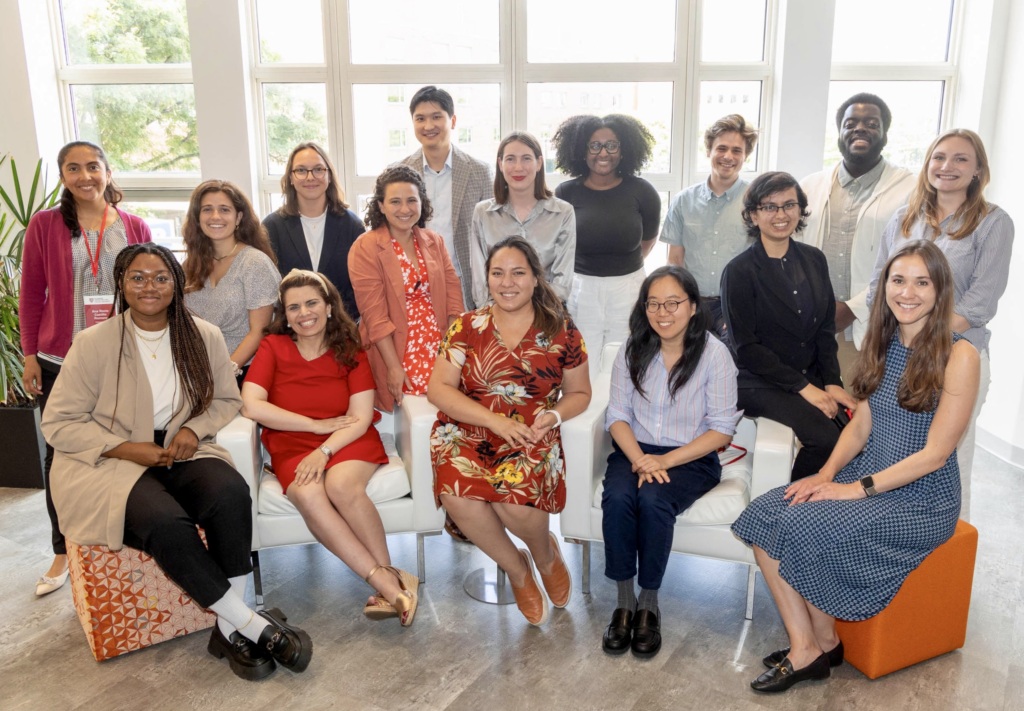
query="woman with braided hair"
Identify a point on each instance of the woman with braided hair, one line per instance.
(132, 419)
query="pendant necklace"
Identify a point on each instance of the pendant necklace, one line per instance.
(146, 341)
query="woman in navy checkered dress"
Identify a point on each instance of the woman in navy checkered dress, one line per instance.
(841, 542)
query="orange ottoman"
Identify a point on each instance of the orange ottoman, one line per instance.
(928, 616)
(125, 602)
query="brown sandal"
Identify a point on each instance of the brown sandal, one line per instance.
(405, 603)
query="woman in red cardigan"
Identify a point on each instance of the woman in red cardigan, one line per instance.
(405, 286)
(67, 285)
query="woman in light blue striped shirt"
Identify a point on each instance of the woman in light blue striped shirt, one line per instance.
(672, 406)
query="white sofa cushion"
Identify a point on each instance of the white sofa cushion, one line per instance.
(389, 482)
(721, 505)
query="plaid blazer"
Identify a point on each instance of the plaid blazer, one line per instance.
(472, 182)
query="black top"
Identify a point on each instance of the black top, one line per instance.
(765, 301)
(610, 224)
(340, 233)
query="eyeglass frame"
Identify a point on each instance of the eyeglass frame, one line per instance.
(606, 145)
(771, 208)
(659, 304)
(303, 173)
(141, 281)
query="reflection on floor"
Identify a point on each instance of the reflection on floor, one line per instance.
(461, 654)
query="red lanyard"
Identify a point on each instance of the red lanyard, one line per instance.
(94, 261)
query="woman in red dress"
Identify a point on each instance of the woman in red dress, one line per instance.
(310, 387)
(496, 448)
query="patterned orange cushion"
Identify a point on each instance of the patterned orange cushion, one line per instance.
(125, 602)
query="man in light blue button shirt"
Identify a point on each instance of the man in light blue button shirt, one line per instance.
(704, 227)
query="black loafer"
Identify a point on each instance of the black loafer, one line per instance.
(620, 631)
(246, 659)
(646, 634)
(290, 646)
(835, 657)
(783, 676)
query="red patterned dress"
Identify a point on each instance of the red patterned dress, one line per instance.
(424, 331)
(473, 462)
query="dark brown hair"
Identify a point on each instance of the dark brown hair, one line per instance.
(340, 333)
(396, 174)
(68, 206)
(764, 186)
(549, 315)
(540, 188)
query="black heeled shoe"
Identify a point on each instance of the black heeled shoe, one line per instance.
(835, 657)
(247, 660)
(290, 646)
(646, 634)
(619, 633)
(783, 676)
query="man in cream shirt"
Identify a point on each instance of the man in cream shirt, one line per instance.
(850, 206)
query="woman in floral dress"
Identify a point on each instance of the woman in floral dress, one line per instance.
(496, 448)
(405, 286)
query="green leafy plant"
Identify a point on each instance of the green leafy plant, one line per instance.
(13, 224)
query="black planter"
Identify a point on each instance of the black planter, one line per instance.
(21, 448)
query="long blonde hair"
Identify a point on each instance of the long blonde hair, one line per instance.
(923, 202)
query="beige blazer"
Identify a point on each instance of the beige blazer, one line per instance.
(91, 410)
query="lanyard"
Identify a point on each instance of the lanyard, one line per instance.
(94, 261)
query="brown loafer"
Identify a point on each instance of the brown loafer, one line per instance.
(530, 598)
(557, 584)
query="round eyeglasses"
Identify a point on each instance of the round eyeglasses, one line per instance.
(670, 306)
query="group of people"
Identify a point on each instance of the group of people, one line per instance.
(484, 295)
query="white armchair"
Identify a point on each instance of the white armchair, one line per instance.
(701, 530)
(402, 489)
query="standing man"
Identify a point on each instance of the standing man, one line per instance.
(850, 206)
(704, 227)
(455, 181)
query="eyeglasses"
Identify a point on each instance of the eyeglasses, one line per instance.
(771, 208)
(670, 306)
(303, 173)
(160, 281)
(611, 146)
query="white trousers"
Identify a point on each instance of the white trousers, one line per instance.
(600, 307)
(965, 448)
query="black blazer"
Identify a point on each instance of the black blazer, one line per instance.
(340, 233)
(768, 338)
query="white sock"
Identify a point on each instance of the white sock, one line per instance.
(232, 609)
(238, 585)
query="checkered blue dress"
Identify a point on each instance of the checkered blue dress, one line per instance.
(849, 558)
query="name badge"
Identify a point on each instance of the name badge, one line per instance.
(97, 308)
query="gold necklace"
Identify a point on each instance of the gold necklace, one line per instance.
(229, 254)
(147, 341)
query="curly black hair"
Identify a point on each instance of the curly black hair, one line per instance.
(396, 174)
(572, 137)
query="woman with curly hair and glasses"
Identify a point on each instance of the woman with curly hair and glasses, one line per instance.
(133, 417)
(617, 219)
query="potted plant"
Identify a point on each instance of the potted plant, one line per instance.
(20, 441)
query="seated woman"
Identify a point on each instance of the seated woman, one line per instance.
(522, 205)
(496, 448)
(405, 285)
(132, 418)
(314, 227)
(841, 543)
(311, 388)
(230, 276)
(672, 406)
(780, 313)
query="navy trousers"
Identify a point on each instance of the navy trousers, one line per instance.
(638, 522)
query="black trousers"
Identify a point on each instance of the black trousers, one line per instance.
(49, 377)
(163, 509)
(817, 433)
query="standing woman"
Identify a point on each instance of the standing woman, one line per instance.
(841, 543)
(231, 280)
(67, 285)
(672, 406)
(496, 446)
(133, 419)
(617, 219)
(948, 207)
(779, 310)
(314, 229)
(522, 205)
(311, 388)
(405, 285)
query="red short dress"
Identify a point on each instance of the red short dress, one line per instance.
(473, 462)
(318, 388)
(424, 332)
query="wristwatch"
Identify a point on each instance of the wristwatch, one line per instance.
(868, 483)
(326, 450)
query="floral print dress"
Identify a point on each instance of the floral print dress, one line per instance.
(473, 462)
(424, 331)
